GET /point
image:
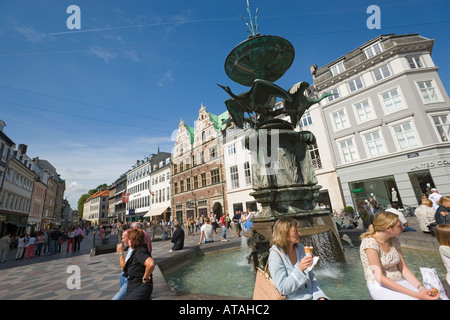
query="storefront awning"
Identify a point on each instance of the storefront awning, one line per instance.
(154, 212)
(22, 224)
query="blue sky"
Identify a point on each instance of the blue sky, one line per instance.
(95, 100)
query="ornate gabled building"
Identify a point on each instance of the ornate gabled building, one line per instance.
(198, 174)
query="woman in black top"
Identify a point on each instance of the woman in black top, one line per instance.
(138, 268)
(177, 237)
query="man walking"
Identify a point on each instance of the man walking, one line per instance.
(5, 243)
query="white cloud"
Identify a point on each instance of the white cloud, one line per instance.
(30, 34)
(166, 79)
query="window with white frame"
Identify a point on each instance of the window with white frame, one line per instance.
(306, 120)
(234, 177)
(442, 125)
(335, 95)
(414, 62)
(340, 120)
(405, 135)
(337, 68)
(315, 156)
(231, 149)
(248, 175)
(348, 150)
(428, 91)
(374, 143)
(355, 84)
(373, 50)
(392, 101)
(364, 111)
(381, 73)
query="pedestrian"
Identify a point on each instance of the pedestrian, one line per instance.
(138, 268)
(45, 247)
(213, 220)
(237, 222)
(223, 224)
(30, 246)
(123, 281)
(55, 235)
(39, 243)
(425, 215)
(5, 244)
(177, 237)
(70, 240)
(443, 237)
(385, 270)
(288, 263)
(21, 242)
(206, 232)
(401, 217)
(79, 235)
(363, 212)
(441, 215)
(228, 221)
(434, 197)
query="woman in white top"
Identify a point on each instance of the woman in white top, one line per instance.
(425, 214)
(387, 276)
(443, 237)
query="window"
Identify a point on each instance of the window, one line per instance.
(248, 175)
(374, 144)
(442, 125)
(234, 177)
(373, 50)
(348, 150)
(428, 91)
(414, 62)
(337, 68)
(335, 95)
(212, 152)
(306, 120)
(195, 182)
(188, 184)
(231, 149)
(181, 186)
(315, 156)
(392, 101)
(339, 120)
(406, 138)
(203, 175)
(364, 111)
(355, 84)
(381, 73)
(215, 178)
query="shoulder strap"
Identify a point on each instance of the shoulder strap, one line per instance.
(267, 262)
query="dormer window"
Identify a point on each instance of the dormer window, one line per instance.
(337, 68)
(373, 50)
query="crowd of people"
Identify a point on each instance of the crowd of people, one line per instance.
(42, 242)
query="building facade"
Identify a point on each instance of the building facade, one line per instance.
(95, 208)
(198, 174)
(388, 124)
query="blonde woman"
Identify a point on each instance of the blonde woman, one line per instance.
(387, 276)
(288, 263)
(443, 237)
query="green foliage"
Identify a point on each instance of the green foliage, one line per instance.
(349, 209)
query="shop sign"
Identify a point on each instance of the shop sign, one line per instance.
(357, 190)
(429, 164)
(412, 155)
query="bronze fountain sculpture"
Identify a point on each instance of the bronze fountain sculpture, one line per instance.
(284, 183)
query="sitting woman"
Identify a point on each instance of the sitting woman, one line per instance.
(138, 268)
(288, 263)
(387, 276)
(443, 237)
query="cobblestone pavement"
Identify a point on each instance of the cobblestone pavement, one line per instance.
(46, 277)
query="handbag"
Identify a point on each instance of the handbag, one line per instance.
(265, 289)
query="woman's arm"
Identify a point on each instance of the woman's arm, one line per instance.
(149, 267)
(374, 261)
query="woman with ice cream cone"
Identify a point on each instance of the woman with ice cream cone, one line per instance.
(289, 265)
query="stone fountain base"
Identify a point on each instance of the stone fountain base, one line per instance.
(317, 229)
